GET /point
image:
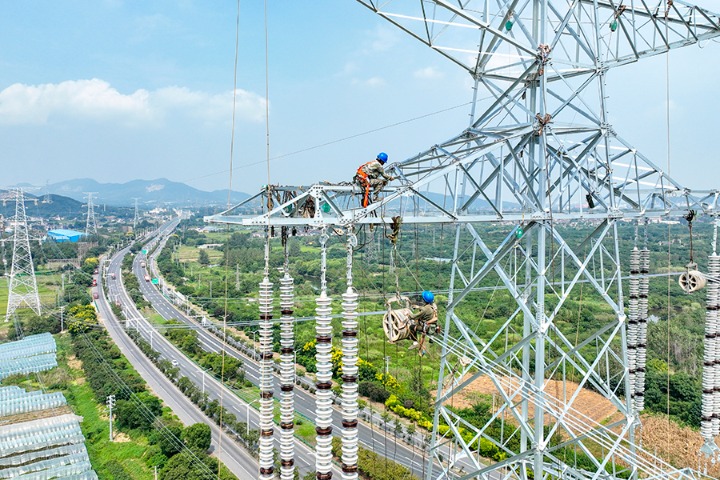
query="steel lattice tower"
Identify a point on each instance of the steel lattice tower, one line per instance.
(135, 218)
(539, 152)
(22, 285)
(90, 223)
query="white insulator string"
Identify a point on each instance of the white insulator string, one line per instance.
(323, 394)
(266, 370)
(287, 372)
(633, 332)
(644, 290)
(350, 370)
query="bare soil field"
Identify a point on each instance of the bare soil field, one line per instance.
(677, 445)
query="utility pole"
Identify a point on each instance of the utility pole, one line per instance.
(111, 404)
(62, 319)
(237, 276)
(387, 365)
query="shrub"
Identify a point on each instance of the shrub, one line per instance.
(374, 391)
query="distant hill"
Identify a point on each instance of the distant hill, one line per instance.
(38, 206)
(150, 193)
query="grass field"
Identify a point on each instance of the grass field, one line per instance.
(48, 283)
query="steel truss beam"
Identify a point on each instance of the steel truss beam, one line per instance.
(538, 152)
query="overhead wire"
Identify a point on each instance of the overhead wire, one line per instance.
(341, 139)
(229, 202)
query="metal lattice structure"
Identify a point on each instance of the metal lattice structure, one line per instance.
(135, 216)
(22, 284)
(91, 222)
(539, 152)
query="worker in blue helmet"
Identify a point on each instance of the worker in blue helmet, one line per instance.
(372, 176)
(424, 321)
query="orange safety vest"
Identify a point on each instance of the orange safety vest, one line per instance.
(362, 175)
(361, 171)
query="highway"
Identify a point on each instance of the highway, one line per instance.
(372, 438)
(237, 460)
(304, 456)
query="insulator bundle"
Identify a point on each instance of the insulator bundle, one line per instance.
(266, 380)
(350, 375)
(287, 378)
(633, 317)
(644, 290)
(711, 357)
(323, 395)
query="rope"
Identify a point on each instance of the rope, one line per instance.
(267, 99)
(229, 203)
(667, 135)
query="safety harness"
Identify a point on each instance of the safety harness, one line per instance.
(361, 177)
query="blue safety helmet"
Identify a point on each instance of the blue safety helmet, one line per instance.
(428, 296)
(382, 157)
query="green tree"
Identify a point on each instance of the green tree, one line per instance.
(130, 416)
(167, 438)
(186, 466)
(197, 437)
(204, 258)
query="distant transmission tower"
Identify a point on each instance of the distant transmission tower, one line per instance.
(91, 224)
(135, 219)
(22, 287)
(47, 198)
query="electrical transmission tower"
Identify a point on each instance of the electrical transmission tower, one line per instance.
(539, 153)
(91, 223)
(135, 218)
(22, 285)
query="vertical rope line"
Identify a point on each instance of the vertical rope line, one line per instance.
(667, 136)
(267, 98)
(234, 103)
(229, 202)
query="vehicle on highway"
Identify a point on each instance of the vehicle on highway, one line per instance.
(95, 295)
(112, 275)
(94, 282)
(142, 264)
(147, 278)
(174, 363)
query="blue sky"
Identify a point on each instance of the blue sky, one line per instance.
(118, 90)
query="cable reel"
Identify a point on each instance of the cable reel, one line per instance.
(396, 321)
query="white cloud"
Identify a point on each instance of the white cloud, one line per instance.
(383, 39)
(97, 100)
(428, 73)
(209, 107)
(35, 104)
(371, 82)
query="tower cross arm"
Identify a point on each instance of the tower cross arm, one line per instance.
(629, 32)
(497, 39)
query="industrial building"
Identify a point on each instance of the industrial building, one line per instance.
(63, 235)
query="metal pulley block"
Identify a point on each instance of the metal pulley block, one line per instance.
(693, 279)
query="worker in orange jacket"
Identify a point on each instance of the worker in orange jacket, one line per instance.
(372, 175)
